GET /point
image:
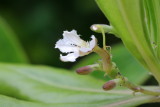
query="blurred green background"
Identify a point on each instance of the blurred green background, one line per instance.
(38, 24)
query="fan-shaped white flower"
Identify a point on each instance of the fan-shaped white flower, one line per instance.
(74, 46)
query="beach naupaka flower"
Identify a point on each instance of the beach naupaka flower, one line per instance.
(74, 46)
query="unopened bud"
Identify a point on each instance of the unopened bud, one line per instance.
(99, 27)
(109, 85)
(84, 70)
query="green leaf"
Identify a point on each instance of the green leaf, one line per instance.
(6, 101)
(11, 50)
(151, 14)
(128, 66)
(109, 102)
(46, 87)
(127, 18)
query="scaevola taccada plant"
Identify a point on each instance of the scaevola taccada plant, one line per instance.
(137, 24)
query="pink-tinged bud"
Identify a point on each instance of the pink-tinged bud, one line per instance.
(84, 70)
(109, 85)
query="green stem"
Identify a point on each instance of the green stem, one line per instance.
(123, 81)
(104, 39)
(139, 89)
(107, 65)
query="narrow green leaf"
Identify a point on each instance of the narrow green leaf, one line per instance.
(126, 63)
(11, 50)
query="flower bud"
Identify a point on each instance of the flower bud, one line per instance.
(84, 70)
(109, 85)
(99, 27)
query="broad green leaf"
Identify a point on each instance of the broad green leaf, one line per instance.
(46, 87)
(127, 19)
(11, 50)
(128, 66)
(6, 101)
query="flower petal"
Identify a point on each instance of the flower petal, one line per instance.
(90, 46)
(63, 47)
(93, 42)
(71, 57)
(72, 38)
(85, 49)
(74, 46)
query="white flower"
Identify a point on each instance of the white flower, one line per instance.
(74, 46)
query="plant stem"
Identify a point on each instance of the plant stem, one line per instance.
(107, 65)
(139, 89)
(104, 39)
